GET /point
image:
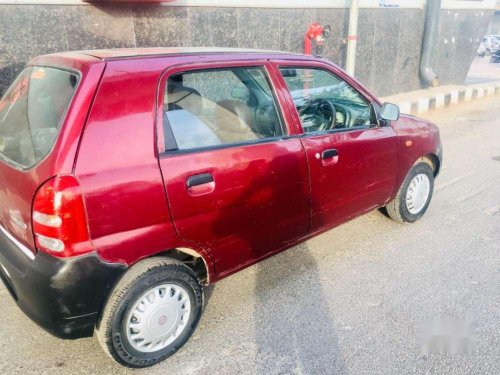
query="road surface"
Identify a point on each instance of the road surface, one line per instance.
(347, 302)
(482, 71)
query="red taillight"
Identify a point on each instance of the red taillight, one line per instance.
(59, 218)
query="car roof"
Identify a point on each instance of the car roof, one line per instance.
(123, 53)
(77, 59)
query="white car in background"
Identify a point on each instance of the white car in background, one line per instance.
(489, 44)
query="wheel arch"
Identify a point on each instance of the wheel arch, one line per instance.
(433, 161)
(200, 263)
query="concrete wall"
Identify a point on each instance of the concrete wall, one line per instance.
(494, 27)
(389, 40)
(460, 32)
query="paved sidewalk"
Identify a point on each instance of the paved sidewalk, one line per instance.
(483, 79)
(421, 101)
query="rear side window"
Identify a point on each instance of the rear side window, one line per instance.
(216, 107)
(31, 113)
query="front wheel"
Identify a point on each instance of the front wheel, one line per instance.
(414, 195)
(151, 313)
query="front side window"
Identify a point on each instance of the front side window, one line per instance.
(219, 106)
(31, 113)
(324, 101)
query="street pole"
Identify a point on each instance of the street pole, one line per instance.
(352, 37)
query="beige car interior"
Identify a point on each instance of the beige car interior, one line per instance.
(230, 120)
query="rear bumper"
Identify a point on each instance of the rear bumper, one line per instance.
(63, 296)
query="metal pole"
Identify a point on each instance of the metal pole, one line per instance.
(352, 37)
(430, 40)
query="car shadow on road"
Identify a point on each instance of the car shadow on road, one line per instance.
(294, 326)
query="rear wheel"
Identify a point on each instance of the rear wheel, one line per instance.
(151, 312)
(414, 195)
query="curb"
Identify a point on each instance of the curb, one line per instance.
(439, 100)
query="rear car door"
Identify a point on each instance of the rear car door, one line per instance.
(352, 159)
(236, 184)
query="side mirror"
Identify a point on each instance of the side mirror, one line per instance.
(389, 112)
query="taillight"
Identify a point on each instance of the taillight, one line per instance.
(59, 218)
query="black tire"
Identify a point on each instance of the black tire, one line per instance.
(111, 326)
(397, 209)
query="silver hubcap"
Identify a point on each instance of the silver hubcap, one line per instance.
(417, 193)
(158, 317)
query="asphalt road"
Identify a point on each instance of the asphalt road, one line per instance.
(482, 71)
(349, 301)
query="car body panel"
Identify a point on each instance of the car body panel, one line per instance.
(259, 203)
(260, 197)
(361, 177)
(119, 179)
(416, 138)
(267, 197)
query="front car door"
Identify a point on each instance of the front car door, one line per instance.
(236, 184)
(352, 159)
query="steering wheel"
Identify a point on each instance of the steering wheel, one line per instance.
(317, 115)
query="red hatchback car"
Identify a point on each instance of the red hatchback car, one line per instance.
(131, 178)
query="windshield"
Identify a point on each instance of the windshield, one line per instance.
(31, 113)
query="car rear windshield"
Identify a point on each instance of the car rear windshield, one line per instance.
(31, 113)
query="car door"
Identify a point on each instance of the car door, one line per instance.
(352, 159)
(236, 184)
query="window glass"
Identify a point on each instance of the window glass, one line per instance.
(324, 101)
(31, 112)
(222, 106)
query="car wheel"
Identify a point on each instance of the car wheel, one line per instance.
(414, 195)
(151, 312)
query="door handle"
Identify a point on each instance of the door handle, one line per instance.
(327, 154)
(199, 179)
